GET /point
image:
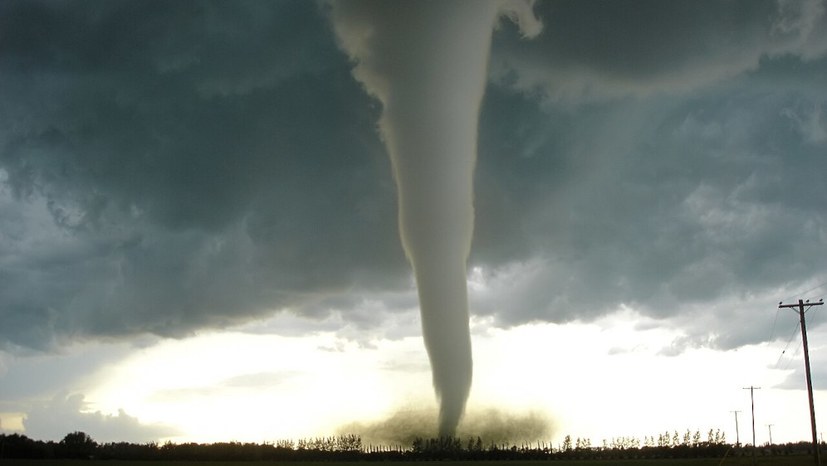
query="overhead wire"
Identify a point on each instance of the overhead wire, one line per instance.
(784, 351)
(801, 293)
(812, 323)
(774, 322)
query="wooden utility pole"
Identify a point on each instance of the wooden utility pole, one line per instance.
(752, 407)
(737, 434)
(800, 307)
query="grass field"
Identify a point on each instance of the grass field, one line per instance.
(733, 461)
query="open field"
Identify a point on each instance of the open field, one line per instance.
(733, 461)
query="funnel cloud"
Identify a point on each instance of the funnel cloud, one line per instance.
(427, 64)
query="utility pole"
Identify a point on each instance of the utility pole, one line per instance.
(800, 307)
(769, 427)
(737, 435)
(752, 406)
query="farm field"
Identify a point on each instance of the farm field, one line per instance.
(730, 461)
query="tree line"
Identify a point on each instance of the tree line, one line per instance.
(79, 445)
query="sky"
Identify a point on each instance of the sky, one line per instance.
(199, 236)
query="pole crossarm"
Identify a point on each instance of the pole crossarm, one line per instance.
(799, 303)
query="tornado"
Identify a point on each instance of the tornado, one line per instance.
(426, 62)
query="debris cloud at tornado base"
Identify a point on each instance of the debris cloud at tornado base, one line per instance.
(492, 425)
(426, 62)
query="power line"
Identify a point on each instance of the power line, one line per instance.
(774, 321)
(815, 318)
(822, 285)
(789, 340)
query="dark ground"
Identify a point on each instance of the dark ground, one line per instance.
(729, 461)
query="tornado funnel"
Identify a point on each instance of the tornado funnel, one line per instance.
(427, 62)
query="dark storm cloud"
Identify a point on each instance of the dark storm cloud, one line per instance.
(594, 50)
(669, 205)
(173, 165)
(661, 168)
(166, 166)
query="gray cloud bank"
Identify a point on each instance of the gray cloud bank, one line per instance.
(168, 166)
(64, 414)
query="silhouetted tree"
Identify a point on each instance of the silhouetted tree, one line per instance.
(20, 446)
(78, 445)
(349, 443)
(285, 444)
(418, 445)
(567, 443)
